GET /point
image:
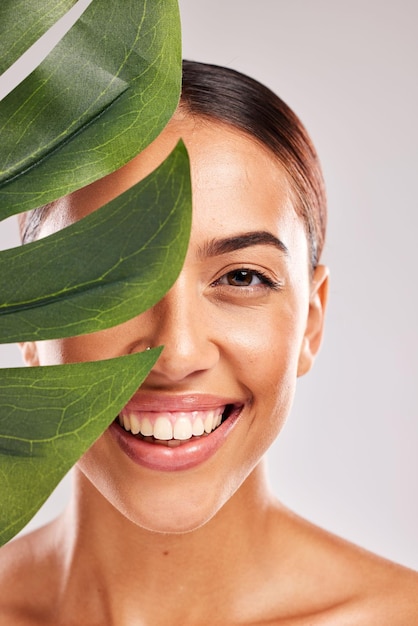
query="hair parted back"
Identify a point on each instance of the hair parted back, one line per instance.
(223, 94)
(229, 96)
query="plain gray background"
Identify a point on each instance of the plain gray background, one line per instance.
(347, 458)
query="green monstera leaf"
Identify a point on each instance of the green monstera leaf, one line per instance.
(103, 93)
(47, 420)
(23, 22)
(104, 269)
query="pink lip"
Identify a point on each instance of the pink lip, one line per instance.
(162, 402)
(190, 453)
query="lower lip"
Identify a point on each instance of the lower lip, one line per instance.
(185, 456)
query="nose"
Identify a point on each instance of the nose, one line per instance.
(180, 323)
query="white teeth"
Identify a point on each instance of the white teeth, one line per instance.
(163, 428)
(209, 423)
(172, 427)
(126, 422)
(182, 429)
(135, 425)
(146, 427)
(198, 427)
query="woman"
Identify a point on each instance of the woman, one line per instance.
(171, 520)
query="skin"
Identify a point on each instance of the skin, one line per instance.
(208, 545)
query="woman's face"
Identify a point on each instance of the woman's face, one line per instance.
(243, 320)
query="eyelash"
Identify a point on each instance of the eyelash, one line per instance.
(265, 280)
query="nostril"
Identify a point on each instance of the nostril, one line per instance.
(179, 361)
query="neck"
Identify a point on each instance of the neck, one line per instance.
(128, 570)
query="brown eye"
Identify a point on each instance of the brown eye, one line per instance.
(242, 278)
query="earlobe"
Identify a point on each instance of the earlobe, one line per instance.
(29, 353)
(315, 323)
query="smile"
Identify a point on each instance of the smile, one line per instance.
(172, 428)
(176, 433)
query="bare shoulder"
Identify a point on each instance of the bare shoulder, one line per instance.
(341, 583)
(382, 592)
(23, 595)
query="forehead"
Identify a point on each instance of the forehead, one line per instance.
(237, 184)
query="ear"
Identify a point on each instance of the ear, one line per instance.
(315, 322)
(29, 353)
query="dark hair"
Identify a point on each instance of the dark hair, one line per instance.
(227, 95)
(222, 94)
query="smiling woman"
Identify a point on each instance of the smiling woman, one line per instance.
(171, 520)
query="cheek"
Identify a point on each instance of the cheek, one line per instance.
(50, 352)
(92, 347)
(265, 360)
(265, 345)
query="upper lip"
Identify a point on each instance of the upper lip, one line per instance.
(145, 401)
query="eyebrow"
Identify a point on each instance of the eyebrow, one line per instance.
(216, 247)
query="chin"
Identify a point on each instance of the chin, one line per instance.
(174, 523)
(176, 503)
(176, 508)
